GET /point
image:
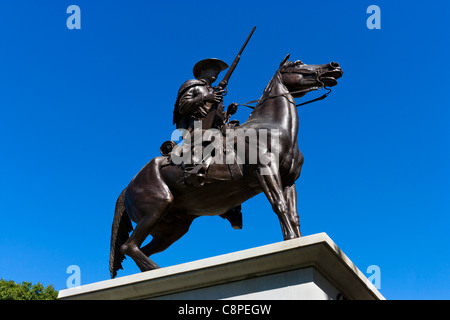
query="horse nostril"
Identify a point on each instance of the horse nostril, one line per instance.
(334, 64)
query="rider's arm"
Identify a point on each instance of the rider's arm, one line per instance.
(191, 100)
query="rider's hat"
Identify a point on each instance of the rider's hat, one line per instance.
(208, 64)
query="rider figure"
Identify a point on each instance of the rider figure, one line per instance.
(196, 97)
(194, 101)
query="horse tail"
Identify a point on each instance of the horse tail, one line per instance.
(121, 227)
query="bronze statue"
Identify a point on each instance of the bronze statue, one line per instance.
(163, 205)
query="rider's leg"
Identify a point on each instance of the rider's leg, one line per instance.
(234, 216)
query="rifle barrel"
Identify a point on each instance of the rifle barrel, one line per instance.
(209, 118)
(238, 57)
(246, 41)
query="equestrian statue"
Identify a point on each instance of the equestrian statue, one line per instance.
(165, 196)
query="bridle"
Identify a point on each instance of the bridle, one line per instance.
(317, 73)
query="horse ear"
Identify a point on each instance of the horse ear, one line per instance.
(285, 60)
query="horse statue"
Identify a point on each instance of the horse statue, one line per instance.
(163, 207)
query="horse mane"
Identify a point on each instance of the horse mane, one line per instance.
(269, 87)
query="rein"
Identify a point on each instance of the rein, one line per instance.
(247, 104)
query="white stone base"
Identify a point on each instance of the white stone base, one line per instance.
(308, 268)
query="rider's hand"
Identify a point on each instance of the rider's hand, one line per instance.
(232, 108)
(214, 97)
(223, 83)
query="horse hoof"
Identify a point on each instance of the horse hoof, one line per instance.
(149, 266)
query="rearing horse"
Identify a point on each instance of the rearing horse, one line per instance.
(163, 207)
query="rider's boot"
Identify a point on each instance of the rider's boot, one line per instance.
(234, 216)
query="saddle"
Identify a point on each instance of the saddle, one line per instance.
(199, 171)
(204, 172)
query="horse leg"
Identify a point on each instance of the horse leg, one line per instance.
(148, 209)
(167, 232)
(272, 187)
(132, 249)
(290, 194)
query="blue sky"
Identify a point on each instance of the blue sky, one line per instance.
(83, 110)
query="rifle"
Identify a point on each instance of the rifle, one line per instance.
(208, 121)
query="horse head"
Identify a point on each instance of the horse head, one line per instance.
(300, 78)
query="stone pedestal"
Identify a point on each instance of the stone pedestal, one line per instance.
(311, 267)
